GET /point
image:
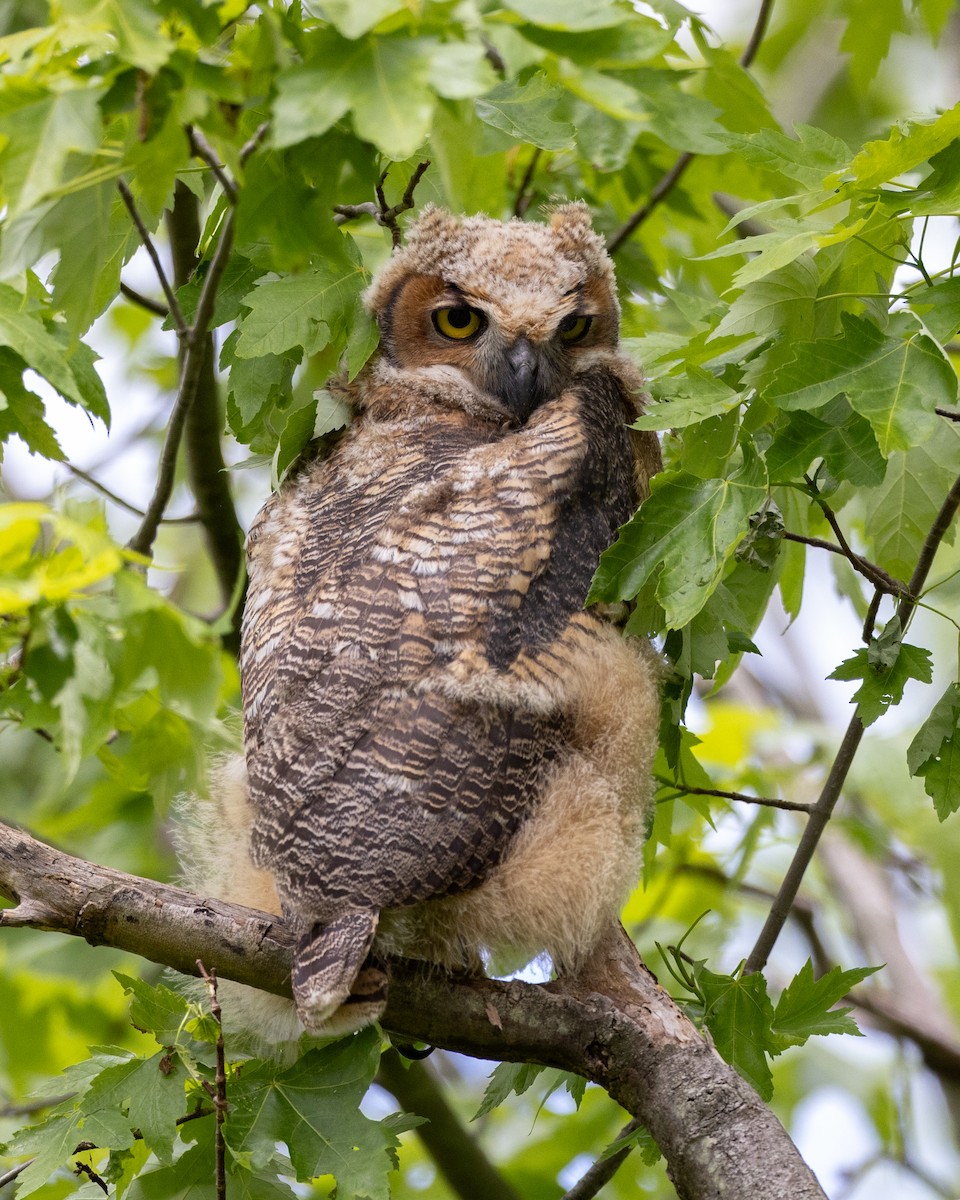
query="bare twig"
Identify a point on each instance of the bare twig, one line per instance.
(206, 469)
(758, 34)
(949, 413)
(174, 306)
(201, 148)
(253, 141)
(119, 500)
(86, 1169)
(34, 1106)
(766, 801)
(384, 214)
(15, 1172)
(603, 1170)
(833, 785)
(671, 178)
(154, 306)
(884, 583)
(218, 1093)
(524, 197)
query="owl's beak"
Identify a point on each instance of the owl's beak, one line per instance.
(520, 392)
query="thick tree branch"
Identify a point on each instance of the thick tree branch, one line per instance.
(613, 1023)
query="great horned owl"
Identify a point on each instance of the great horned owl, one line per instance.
(447, 755)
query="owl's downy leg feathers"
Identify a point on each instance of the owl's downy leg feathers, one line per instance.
(338, 986)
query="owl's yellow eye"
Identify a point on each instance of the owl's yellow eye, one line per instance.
(574, 329)
(458, 322)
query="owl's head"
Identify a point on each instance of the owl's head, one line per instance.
(518, 308)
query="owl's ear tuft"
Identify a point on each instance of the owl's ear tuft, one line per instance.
(429, 241)
(572, 228)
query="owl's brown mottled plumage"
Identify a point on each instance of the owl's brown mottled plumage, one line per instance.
(444, 748)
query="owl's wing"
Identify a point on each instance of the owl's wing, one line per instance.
(406, 741)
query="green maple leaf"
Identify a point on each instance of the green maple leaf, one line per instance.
(884, 668)
(313, 1107)
(806, 1006)
(895, 379)
(682, 538)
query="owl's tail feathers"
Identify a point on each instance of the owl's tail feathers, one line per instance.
(338, 984)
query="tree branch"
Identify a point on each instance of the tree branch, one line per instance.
(671, 178)
(190, 376)
(599, 1174)
(172, 303)
(458, 1156)
(384, 214)
(206, 468)
(612, 1023)
(746, 798)
(822, 810)
(119, 500)
(884, 583)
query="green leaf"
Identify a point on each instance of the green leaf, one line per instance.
(22, 411)
(572, 15)
(628, 44)
(809, 158)
(683, 121)
(899, 513)
(526, 113)
(885, 669)
(805, 1008)
(96, 1114)
(300, 311)
(686, 400)
(156, 1009)
(938, 307)
(44, 129)
(506, 1079)
(313, 1107)
(895, 379)
(908, 144)
(842, 438)
(934, 754)
(353, 20)
(27, 336)
(137, 29)
(682, 538)
(783, 300)
(460, 70)
(382, 81)
(866, 39)
(738, 1013)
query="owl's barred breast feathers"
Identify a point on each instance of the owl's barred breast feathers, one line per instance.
(447, 755)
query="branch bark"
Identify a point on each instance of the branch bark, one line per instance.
(458, 1156)
(613, 1023)
(207, 471)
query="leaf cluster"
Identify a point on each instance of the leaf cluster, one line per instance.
(143, 1123)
